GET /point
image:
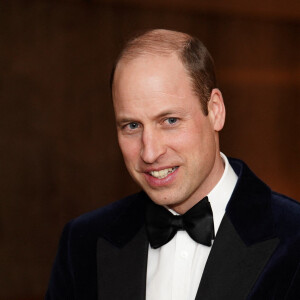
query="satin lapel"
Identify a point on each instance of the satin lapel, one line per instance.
(232, 267)
(122, 270)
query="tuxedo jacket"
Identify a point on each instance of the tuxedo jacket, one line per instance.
(102, 255)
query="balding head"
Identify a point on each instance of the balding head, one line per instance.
(191, 52)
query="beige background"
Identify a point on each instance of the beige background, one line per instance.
(59, 154)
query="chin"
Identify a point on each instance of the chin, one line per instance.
(163, 200)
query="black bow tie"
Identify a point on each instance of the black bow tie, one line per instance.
(162, 225)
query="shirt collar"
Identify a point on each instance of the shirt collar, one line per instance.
(221, 193)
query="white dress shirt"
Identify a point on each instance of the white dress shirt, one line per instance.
(174, 270)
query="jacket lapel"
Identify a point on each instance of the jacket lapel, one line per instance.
(233, 267)
(122, 271)
(122, 252)
(244, 243)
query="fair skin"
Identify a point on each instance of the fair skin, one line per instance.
(170, 148)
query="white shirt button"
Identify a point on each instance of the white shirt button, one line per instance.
(184, 254)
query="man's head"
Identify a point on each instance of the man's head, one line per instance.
(191, 52)
(169, 141)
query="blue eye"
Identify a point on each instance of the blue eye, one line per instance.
(133, 125)
(172, 120)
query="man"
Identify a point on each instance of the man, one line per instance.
(204, 227)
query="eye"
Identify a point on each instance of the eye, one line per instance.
(172, 120)
(132, 125)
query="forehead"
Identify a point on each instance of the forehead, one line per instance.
(151, 73)
(152, 85)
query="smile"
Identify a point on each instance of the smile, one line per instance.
(162, 173)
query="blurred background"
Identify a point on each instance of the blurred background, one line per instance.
(59, 155)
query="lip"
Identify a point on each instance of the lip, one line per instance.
(158, 169)
(156, 182)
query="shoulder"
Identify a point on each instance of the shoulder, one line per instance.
(253, 202)
(108, 221)
(108, 213)
(285, 203)
(286, 212)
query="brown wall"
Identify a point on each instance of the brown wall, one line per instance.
(59, 155)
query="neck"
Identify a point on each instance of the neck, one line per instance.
(203, 190)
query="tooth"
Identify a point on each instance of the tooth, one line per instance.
(162, 173)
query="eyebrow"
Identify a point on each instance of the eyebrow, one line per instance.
(125, 120)
(162, 114)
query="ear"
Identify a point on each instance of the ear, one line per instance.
(216, 110)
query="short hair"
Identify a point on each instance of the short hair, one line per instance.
(191, 51)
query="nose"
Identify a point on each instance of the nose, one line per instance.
(153, 146)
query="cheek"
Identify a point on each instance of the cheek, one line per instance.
(130, 149)
(188, 139)
(196, 143)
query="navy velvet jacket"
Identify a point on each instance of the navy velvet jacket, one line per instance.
(256, 253)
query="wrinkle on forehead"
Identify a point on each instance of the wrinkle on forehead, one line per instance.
(156, 94)
(171, 95)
